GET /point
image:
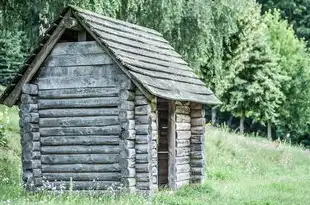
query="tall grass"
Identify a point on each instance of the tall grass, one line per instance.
(239, 170)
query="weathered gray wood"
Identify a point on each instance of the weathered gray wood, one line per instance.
(79, 103)
(30, 89)
(143, 185)
(182, 160)
(36, 63)
(72, 23)
(78, 93)
(142, 168)
(82, 35)
(142, 177)
(128, 172)
(171, 145)
(28, 99)
(183, 176)
(142, 119)
(196, 106)
(196, 155)
(183, 168)
(182, 126)
(198, 122)
(126, 115)
(83, 185)
(106, 176)
(79, 121)
(126, 105)
(142, 148)
(30, 117)
(196, 171)
(182, 109)
(127, 144)
(143, 110)
(70, 48)
(80, 140)
(128, 153)
(30, 136)
(197, 139)
(78, 59)
(197, 130)
(76, 81)
(183, 143)
(30, 127)
(141, 100)
(143, 139)
(197, 162)
(127, 95)
(80, 158)
(127, 163)
(71, 168)
(80, 149)
(183, 135)
(180, 118)
(128, 182)
(179, 184)
(196, 147)
(142, 158)
(74, 131)
(27, 108)
(129, 134)
(143, 129)
(197, 113)
(78, 112)
(183, 151)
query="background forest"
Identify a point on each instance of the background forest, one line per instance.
(253, 55)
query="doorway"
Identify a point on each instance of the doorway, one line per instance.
(163, 145)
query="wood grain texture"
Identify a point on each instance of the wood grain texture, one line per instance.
(80, 140)
(80, 158)
(78, 112)
(80, 149)
(79, 121)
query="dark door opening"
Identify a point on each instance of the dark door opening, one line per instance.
(163, 147)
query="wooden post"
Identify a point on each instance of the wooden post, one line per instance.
(269, 131)
(242, 119)
(171, 148)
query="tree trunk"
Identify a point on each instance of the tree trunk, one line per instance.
(269, 134)
(213, 120)
(242, 119)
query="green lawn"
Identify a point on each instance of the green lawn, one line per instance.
(240, 170)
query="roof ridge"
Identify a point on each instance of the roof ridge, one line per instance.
(119, 21)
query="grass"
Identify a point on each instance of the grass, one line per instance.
(240, 170)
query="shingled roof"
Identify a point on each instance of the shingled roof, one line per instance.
(148, 57)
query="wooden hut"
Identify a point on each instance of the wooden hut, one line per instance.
(105, 103)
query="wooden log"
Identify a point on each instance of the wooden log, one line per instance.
(197, 130)
(142, 168)
(126, 105)
(183, 126)
(128, 182)
(78, 59)
(30, 127)
(142, 148)
(75, 131)
(79, 103)
(182, 103)
(128, 125)
(77, 168)
(197, 139)
(126, 115)
(143, 129)
(197, 147)
(78, 93)
(183, 176)
(128, 172)
(128, 154)
(143, 185)
(141, 100)
(80, 158)
(182, 143)
(142, 119)
(78, 112)
(197, 113)
(183, 168)
(143, 110)
(183, 135)
(127, 163)
(30, 117)
(92, 176)
(143, 139)
(196, 179)
(30, 136)
(180, 109)
(183, 151)
(37, 173)
(197, 163)
(28, 99)
(179, 184)
(80, 149)
(36, 164)
(127, 144)
(30, 89)
(129, 134)
(126, 84)
(83, 185)
(196, 155)
(182, 160)
(126, 95)
(80, 140)
(78, 121)
(180, 118)
(196, 106)
(197, 171)
(28, 108)
(142, 158)
(143, 177)
(70, 48)
(195, 122)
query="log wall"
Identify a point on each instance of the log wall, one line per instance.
(82, 97)
(145, 144)
(197, 142)
(30, 138)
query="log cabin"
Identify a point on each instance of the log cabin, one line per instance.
(105, 103)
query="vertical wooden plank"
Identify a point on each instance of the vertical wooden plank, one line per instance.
(171, 144)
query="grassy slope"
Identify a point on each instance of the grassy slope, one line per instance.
(249, 171)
